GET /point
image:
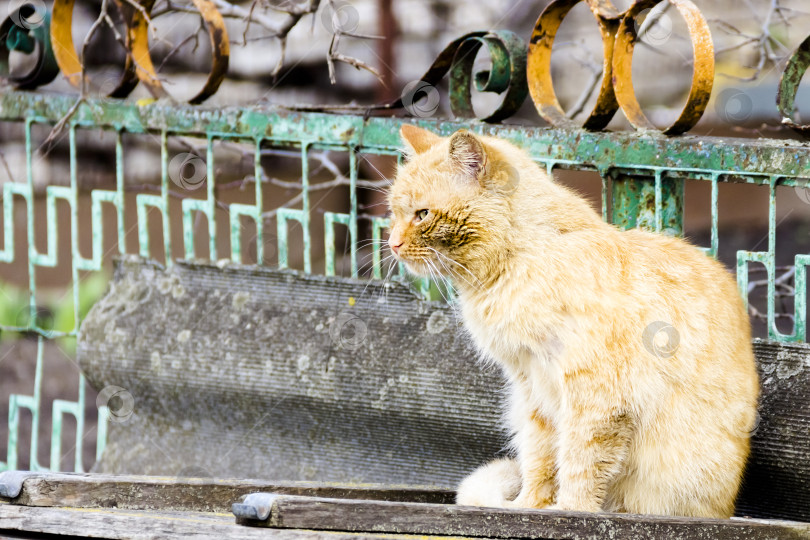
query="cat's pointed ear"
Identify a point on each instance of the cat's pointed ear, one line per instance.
(416, 139)
(467, 154)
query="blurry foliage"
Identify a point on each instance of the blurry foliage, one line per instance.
(54, 310)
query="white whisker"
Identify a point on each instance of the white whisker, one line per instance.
(436, 277)
(443, 257)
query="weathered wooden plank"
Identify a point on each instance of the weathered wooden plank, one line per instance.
(193, 494)
(293, 512)
(148, 525)
(243, 372)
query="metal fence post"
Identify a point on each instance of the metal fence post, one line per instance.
(653, 203)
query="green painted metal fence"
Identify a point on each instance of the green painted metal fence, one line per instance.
(642, 184)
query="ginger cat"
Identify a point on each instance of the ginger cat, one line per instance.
(633, 386)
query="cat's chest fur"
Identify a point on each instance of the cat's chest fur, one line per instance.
(508, 328)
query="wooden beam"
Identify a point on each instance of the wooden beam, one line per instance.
(292, 512)
(195, 494)
(118, 524)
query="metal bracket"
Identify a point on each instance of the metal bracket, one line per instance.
(256, 506)
(11, 482)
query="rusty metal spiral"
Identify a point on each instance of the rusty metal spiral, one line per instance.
(619, 35)
(789, 85)
(516, 71)
(21, 33)
(506, 76)
(539, 64)
(702, 72)
(139, 66)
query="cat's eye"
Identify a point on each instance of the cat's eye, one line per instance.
(421, 214)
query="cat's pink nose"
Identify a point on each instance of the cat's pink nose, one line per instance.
(395, 240)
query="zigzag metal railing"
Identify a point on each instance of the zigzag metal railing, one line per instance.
(653, 161)
(642, 173)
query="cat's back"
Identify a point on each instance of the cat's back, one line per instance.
(698, 298)
(678, 267)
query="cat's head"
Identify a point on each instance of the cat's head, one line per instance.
(451, 204)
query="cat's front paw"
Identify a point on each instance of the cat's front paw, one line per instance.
(530, 501)
(574, 507)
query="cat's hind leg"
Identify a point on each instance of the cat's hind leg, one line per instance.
(495, 484)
